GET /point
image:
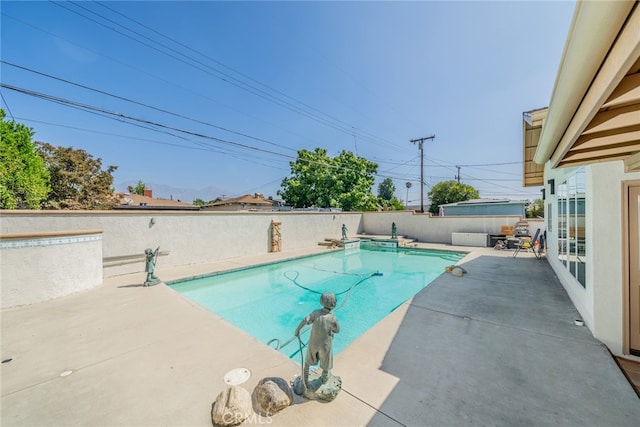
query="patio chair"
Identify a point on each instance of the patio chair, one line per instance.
(527, 243)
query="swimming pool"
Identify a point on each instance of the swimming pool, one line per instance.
(269, 301)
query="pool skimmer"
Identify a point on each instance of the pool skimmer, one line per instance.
(237, 376)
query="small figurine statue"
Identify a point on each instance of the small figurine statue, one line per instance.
(150, 266)
(394, 231)
(344, 232)
(324, 325)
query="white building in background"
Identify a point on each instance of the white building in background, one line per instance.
(585, 150)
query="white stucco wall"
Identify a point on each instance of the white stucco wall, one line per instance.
(187, 237)
(600, 302)
(40, 268)
(436, 229)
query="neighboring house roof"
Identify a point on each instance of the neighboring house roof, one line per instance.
(487, 201)
(138, 202)
(247, 199)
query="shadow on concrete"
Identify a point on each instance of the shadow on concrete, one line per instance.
(499, 346)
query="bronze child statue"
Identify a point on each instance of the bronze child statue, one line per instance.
(150, 266)
(324, 325)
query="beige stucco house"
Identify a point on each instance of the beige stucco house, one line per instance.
(248, 202)
(585, 150)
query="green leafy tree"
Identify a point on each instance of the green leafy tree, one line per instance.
(24, 179)
(536, 209)
(138, 189)
(77, 179)
(450, 192)
(394, 204)
(344, 181)
(386, 189)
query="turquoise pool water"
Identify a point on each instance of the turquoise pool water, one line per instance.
(269, 301)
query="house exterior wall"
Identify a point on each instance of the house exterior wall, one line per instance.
(434, 229)
(494, 209)
(600, 301)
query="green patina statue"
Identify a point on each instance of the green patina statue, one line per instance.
(324, 325)
(394, 231)
(344, 232)
(150, 266)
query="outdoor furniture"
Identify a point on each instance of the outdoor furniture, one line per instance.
(527, 243)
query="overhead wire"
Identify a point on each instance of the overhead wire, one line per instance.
(239, 72)
(6, 104)
(145, 105)
(164, 128)
(209, 124)
(143, 71)
(135, 119)
(332, 122)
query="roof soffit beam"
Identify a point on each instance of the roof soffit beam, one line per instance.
(632, 163)
(626, 136)
(627, 92)
(584, 52)
(623, 55)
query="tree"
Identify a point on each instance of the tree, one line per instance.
(138, 189)
(24, 179)
(386, 189)
(450, 192)
(536, 209)
(394, 204)
(77, 179)
(344, 181)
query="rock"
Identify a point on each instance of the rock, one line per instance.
(272, 395)
(316, 390)
(232, 407)
(455, 270)
(458, 271)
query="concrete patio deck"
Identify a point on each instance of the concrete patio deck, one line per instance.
(495, 347)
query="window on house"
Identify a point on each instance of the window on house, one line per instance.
(571, 225)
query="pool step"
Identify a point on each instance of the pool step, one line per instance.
(403, 242)
(332, 243)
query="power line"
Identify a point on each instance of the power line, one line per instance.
(309, 112)
(136, 121)
(143, 71)
(240, 73)
(7, 105)
(145, 105)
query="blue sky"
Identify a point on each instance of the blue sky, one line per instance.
(204, 99)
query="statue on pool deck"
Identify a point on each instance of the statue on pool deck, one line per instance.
(324, 325)
(394, 231)
(150, 266)
(344, 232)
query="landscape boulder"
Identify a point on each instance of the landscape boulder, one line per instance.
(272, 395)
(231, 407)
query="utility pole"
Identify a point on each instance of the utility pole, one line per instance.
(420, 142)
(458, 176)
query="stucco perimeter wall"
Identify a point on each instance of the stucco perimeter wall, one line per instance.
(434, 229)
(184, 238)
(37, 267)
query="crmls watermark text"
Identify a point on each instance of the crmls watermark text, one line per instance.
(255, 419)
